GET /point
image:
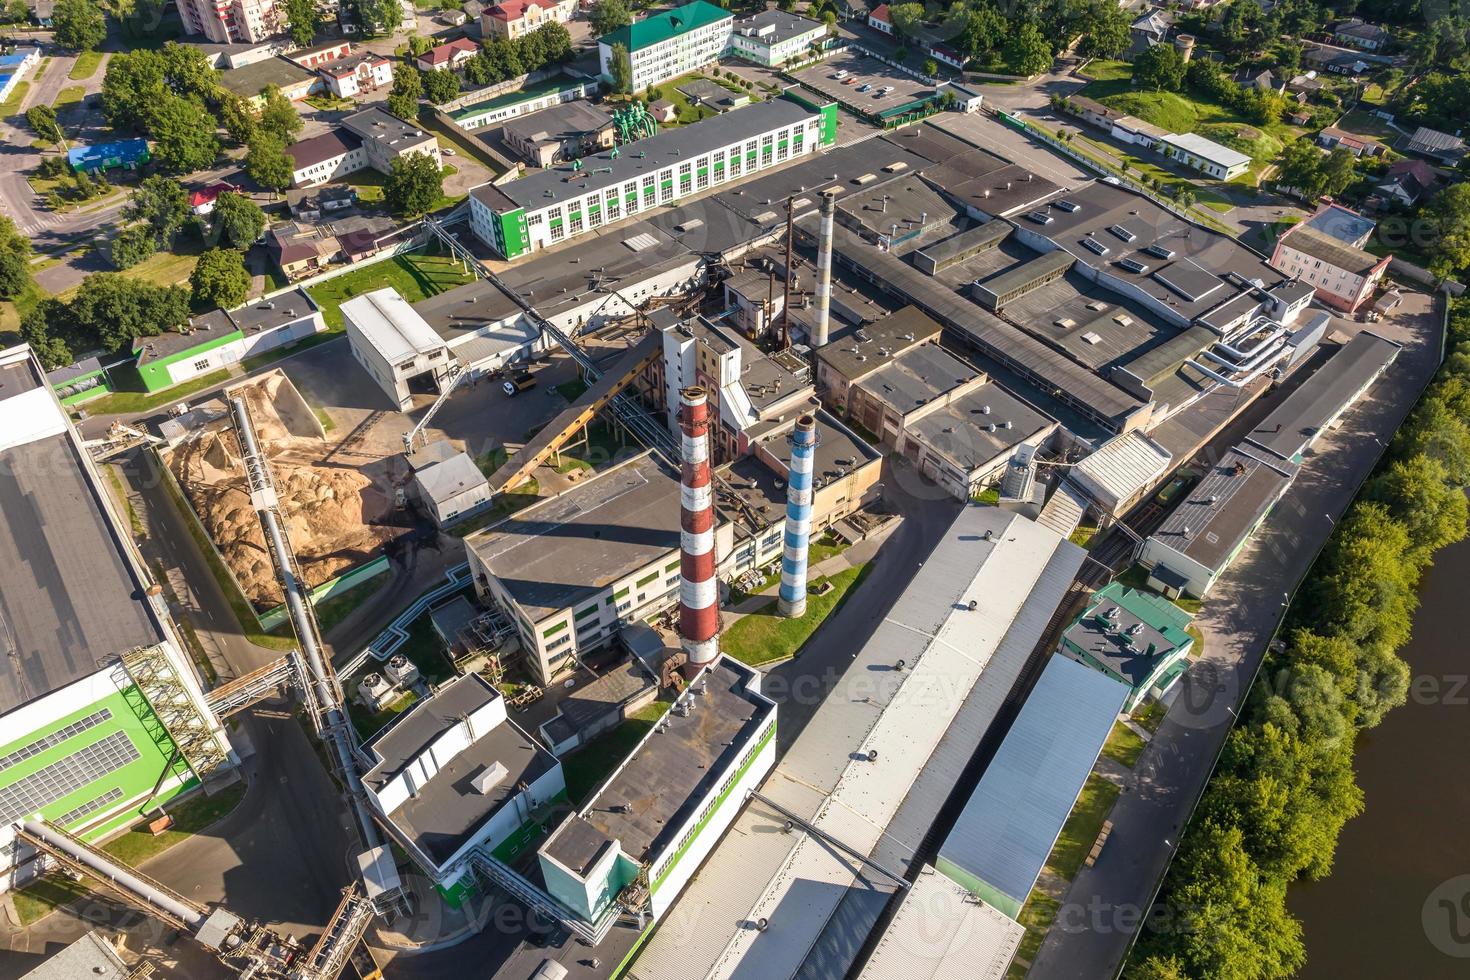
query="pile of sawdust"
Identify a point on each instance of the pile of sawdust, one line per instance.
(327, 510)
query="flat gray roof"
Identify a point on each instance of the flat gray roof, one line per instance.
(450, 478)
(908, 203)
(250, 80)
(1006, 831)
(89, 957)
(855, 355)
(916, 377)
(466, 309)
(782, 26)
(1027, 272)
(1225, 506)
(69, 601)
(446, 811)
(669, 774)
(382, 126)
(1302, 415)
(647, 156)
(563, 121)
(839, 451)
(960, 430)
(564, 550)
(979, 236)
(567, 277)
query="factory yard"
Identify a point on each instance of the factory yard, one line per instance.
(859, 90)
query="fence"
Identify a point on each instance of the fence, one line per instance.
(328, 590)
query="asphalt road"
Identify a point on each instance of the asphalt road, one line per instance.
(1097, 920)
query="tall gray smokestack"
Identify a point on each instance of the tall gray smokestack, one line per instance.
(824, 270)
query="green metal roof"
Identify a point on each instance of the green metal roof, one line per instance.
(671, 23)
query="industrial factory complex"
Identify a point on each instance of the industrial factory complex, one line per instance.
(604, 502)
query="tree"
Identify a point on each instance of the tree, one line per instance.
(1026, 51)
(414, 185)
(380, 16)
(220, 278)
(1107, 31)
(1301, 168)
(620, 67)
(187, 72)
(609, 16)
(440, 86)
(1449, 214)
(131, 246)
(901, 53)
(984, 32)
(278, 116)
(238, 220)
(303, 19)
(555, 41)
(42, 120)
(184, 135)
(15, 12)
(78, 25)
(1159, 68)
(419, 45)
(132, 82)
(238, 119)
(408, 88)
(1417, 491)
(905, 17)
(15, 259)
(1338, 171)
(162, 205)
(268, 163)
(931, 67)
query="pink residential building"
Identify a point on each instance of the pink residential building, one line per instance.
(513, 18)
(231, 21)
(450, 55)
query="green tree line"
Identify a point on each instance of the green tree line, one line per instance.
(1284, 786)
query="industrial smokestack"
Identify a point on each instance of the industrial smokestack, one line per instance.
(798, 518)
(824, 270)
(699, 596)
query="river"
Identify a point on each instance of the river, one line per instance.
(1398, 901)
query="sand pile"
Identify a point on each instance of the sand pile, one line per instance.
(328, 510)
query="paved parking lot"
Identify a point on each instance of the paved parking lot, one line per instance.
(862, 70)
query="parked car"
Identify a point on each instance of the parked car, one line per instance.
(518, 382)
(848, 81)
(841, 74)
(865, 87)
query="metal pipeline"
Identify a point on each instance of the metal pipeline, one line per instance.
(119, 875)
(305, 624)
(1272, 349)
(1231, 382)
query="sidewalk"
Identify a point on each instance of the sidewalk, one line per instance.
(858, 554)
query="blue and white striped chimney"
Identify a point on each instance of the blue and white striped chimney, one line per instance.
(798, 517)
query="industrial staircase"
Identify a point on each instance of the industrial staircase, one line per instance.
(155, 677)
(491, 868)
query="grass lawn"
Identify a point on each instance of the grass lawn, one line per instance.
(765, 635)
(1151, 716)
(1103, 70)
(329, 103)
(130, 402)
(415, 275)
(12, 105)
(1364, 123)
(588, 766)
(70, 95)
(85, 66)
(1080, 831)
(1082, 537)
(1037, 916)
(35, 901)
(1123, 746)
(330, 612)
(1137, 578)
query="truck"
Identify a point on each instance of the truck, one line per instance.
(518, 382)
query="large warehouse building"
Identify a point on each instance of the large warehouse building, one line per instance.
(102, 715)
(553, 206)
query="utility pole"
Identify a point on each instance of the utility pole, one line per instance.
(786, 293)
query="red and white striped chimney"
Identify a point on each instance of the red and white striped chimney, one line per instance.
(699, 594)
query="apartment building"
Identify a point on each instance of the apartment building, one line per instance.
(515, 18)
(669, 44)
(231, 21)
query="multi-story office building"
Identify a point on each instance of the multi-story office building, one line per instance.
(553, 206)
(669, 44)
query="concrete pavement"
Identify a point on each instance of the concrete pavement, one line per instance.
(1099, 917)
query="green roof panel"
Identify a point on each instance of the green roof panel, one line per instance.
(669, 24)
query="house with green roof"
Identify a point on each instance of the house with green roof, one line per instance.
(669, 44)
(1135, 637)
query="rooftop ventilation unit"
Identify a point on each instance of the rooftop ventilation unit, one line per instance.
(488, 778)
(1122, 232)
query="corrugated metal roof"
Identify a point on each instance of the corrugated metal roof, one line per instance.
(1006, 832)
(1123, 466)
(940, 932)
(394, 328)
(847, 930)
(795, 880)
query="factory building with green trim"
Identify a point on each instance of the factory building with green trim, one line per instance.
(552, 206)
(102, 717)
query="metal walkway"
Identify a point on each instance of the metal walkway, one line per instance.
(259, 684)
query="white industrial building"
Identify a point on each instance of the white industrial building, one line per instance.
(455, 780)
(395, 345)
(450, 485)
(941, 932)
(774, 37)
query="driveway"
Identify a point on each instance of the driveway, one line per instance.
(1096, 923)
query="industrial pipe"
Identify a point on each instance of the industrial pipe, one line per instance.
(304, 623)
(798, 518)
(118, 874)
(828, 207)
(699, 594)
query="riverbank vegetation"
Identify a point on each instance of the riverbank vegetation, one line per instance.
(1284, 785)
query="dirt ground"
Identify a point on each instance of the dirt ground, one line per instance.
(337, 516)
